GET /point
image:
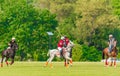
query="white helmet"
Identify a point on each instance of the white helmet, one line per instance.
(13, 38)
(62, 37)
(110, 35)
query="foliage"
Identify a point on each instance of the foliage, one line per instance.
(116, 7)
(96, 24)
(28, 25)
(77, 52)
(85, 22)
(85, 53)
(90, 54)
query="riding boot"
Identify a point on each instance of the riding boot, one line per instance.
(61, 54)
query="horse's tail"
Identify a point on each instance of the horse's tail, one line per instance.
(103, 55)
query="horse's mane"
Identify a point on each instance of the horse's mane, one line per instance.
(115, 49)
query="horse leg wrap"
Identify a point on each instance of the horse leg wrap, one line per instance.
(7, 63)
(65, 63)
(106, 63)
(46, 63)
(51, 65)
(71, 61)
(111, 63)
(1, 64)
(114, 63)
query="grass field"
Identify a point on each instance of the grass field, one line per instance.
(78, 69)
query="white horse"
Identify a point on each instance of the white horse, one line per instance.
(69, 48)
(55, 52)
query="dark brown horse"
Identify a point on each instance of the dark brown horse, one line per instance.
(9, 53)
(112, 56)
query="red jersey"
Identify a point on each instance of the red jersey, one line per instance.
(60, 43)
(67, 41)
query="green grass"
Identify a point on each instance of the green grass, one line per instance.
(78, 69)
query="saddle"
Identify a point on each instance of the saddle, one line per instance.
(113, 49)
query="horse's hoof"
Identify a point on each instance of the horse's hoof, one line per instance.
(105, 65)
(10, 63)
(115, 66)
(67, 66)
(1, 64)
(45, 65)
(110, 65)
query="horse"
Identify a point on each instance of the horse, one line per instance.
(112, 56)
(55, 52)
(69, 47)
(9, 53)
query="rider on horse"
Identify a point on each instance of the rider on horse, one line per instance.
(112, 43)
(9, 52)
(11, 43)
(61, 45)
(66, 40)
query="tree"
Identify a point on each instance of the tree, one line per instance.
(116, 7)
(28, 25)
(96, 24)
(90, 54)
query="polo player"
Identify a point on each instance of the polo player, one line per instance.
(112, 43)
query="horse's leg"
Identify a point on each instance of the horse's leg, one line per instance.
(111, 60)
(65, 62)
(2, 61)
(12, 60)
(106, 61)
(71, 61)
(114, 61)
(6, 60)
(47, 61)
(48, 54)
(68, 58)
(50, 60)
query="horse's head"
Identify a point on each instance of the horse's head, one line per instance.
(114, 49)
(15, 47)
(70, 46)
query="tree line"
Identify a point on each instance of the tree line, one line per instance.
(85, 22)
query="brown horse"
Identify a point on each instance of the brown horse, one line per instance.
(112, 55)
(9, 53)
